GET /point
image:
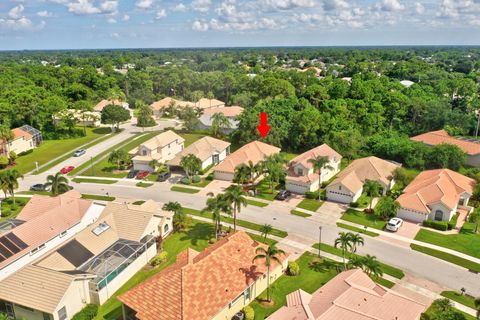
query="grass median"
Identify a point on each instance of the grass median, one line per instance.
(184, 190)
(355, 229)
(300, 213)
(459, 261)
(100, 181)
(310, 204)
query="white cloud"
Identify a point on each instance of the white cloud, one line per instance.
(115, 35)
(82, 7)
(290, 4)
(330, 5)
(391, 5)
(110, 6)
(126, 17)
(419, 8)
(16, 12)
(161, 14)
(144, 4)
(199, 26)
(202, 6)
(44, 14)
(180, 8)
(112, 20)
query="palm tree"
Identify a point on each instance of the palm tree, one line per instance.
(5, 133)
(270, 254)
(235, 197)
(372, 266)
(117, 157)
(215, 206)
(58, 183)
(3, 183)
(372, 189)
(319, 163)
(171, 206)
(265, 231)
(11, 181)
(219, 122)
(273, 167)
(191, 164)
(180, 219)
(356, 240)
(154, 163)
(344, 242)
(242, 174)
(355, 262)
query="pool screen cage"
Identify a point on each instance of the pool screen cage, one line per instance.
(36, 134)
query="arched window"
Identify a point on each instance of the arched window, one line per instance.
(165, 229)
(439, 215)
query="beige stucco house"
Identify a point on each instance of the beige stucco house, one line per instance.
(436, 195)
(211, 285)
(89, 267)
(158, 107)
(209, 150)
(302, 178)
(21, 142)
(348, 185)
(83, 118)
(163, 147)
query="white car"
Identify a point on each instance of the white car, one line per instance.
(394, 224)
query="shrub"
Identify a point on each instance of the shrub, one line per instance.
(354, 204)
(212, 240)
(185, 180)
(159, 259)
(87, 313)
(293, 268)
(249, 313)
(196, 179)
(438, 225)
(453, 222)
(311, 195)
(210, 177)
(25, 152)
(3, 162)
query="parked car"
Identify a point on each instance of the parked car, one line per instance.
(142, 175)
(394, 224)
(283, 195)
(79, 153)
(164, 176)
(37, 187)
(132, 174)
(66, 170)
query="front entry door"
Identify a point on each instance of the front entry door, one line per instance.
(438, 215)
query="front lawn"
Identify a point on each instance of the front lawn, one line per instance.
(431, 312)
(465, 299)
(184, 190)
(312, 276)
(264, 190)
(360, 217)
(310, 204)
(256, 203)
(100, 181)
(144, 184)
(363, 201)
(466, 241)
(97, 197)
(9, 209)
(51, 149)
(191, 138)
(470, 265)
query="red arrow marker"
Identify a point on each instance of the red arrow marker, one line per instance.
(263, 128)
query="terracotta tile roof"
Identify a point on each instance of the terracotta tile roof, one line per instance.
(254, 151)
(165, 102)
(102, 104)
(350, 295)
(198, 285)
(435, 186)
(441, 136)
(46, 217)
(159, 141)
(232, 111)
(19, 133)
(370, 168)
(203, 149)
(205, 103)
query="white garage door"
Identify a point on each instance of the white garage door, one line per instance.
(339, 197)
(296, 188)
(141, 166)
(225, 176)
(410, 215)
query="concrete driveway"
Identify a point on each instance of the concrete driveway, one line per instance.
(329, 212)
(215, 187)
(408, 230)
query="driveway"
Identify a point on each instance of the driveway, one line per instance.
(215, 187)
(329, 212)
(407, 231)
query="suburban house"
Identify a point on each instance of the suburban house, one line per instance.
(158, 107)
(102, 104)
(213, 284)
(348, 185)
(163, 147)
(88, 268)
(24, 139)
(350, 295)
(44, 223)
(436, 195)
(230, 112)
(83, 118)
(209, 150)
(471, 147)
(205, 103)
(253, 152)
(301, 177)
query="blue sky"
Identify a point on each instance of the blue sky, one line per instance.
(77, 24)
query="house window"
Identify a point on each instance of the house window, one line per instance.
(439, 215)
(247, 293)
(62, 314)
(165, 229)
(63, 234)
(339, 187)
(144, 152)
(300, 171)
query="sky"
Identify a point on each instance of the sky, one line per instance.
(92, 24)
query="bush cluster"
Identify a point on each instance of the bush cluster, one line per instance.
(159, 259)
(87, 313)
(438, 225)
(293, 268)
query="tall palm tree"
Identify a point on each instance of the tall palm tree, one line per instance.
(236, 198)
(372, 266)
(11, 181)
(180, 219)
(219, 122)
(215, 205)
(58, 183)
(372, 189)
(191, 164)
(271, 254)
(356, 240)
(355, 262)
(172, 206)
(242, 174)
(265, 230)
(320, 163)
(344, 242)
(3, 183)
(117, 157)
(273, 167)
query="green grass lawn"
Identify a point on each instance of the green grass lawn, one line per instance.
(191, 137)
(387, 269)
(97, 197)
(42, 193)
(261, 239)
(355, 229)
(312, 276)
(466, 241)
(51, 149)
(430, 311)
(310, 204)
(465, 299)
(184, 190)
(241, 223)
(106, 169)
(144, 184)
(256, 203)
(363, 201)
(10, 210)
(101, 181)
(470, 265)
(300, 213)
(289, 155)
(360, 217)
(264, 190)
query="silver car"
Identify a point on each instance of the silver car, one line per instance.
(394, 224)
(79, 153)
